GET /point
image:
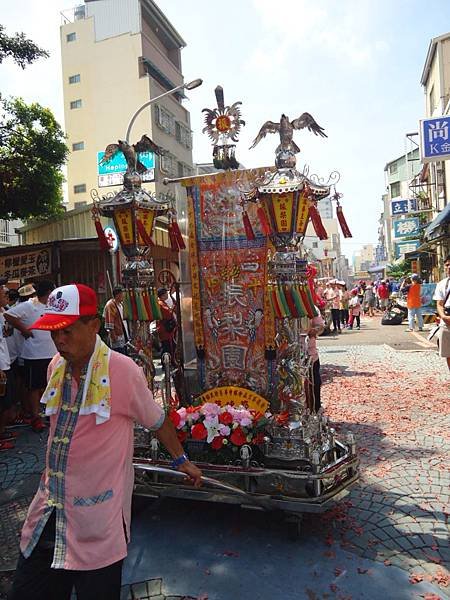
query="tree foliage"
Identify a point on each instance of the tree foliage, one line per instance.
(22, 50)
(32, 152)
(402, 269)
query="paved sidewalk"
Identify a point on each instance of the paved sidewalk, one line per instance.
(397, 405)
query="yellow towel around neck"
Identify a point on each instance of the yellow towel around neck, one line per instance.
(97, 391)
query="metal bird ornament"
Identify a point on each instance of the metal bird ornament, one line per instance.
(131, 152)
(287, 148)
(223, 124)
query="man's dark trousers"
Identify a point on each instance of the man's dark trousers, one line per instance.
(34, 579)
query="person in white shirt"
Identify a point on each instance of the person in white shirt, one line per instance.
(6, 399)
(15, 341)
(442, 297)
(38, 348)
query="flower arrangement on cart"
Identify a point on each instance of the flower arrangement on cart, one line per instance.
(220, 430)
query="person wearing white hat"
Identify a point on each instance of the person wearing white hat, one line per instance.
(37, 350)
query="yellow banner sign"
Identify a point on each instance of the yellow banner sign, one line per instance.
(146, 217)
(282, 208)
(124, 226)
(302, 214)
(235, 396)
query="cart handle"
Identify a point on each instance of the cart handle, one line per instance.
(208, 480)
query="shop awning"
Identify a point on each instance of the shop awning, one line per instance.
(442, 219)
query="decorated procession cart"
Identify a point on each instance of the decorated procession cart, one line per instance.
(249, 420)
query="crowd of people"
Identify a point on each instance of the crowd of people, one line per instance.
(25, 354)
(346, 305)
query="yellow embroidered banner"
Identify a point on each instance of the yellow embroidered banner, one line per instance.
(302, 215)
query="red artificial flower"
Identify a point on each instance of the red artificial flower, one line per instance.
(182, 436)
(238, 437)
(199, 432)
(259, 438)
(174, 417)
(225, 418)
(217, 442)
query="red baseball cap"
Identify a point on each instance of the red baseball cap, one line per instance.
(65, 305)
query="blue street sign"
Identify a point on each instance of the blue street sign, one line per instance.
(399, 207)
(405, 227)
(401, 248)
(435, 139)
(118, 164)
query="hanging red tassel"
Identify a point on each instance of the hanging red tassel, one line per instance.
(177, 233)
(249, 233)
(142, 232)
(317, 223)
(172, 238)
(342, 222)
(264, 222)
(104, 244)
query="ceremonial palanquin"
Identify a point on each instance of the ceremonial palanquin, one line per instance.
(253, 424)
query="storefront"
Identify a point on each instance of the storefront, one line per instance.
(436, 244)
(63, 262)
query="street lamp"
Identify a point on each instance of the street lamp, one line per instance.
(188, 86)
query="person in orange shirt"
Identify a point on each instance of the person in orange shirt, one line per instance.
(414, 303)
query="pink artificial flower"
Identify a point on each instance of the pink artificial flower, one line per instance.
(182, 412)
(224, 430)
(209, 409)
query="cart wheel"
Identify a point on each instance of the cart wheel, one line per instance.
(294, 527)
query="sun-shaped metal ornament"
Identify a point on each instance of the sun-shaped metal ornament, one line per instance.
(223, 124)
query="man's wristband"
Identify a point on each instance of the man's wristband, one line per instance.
(177, 462)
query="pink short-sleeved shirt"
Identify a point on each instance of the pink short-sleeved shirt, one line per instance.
(99, 474)
(312, 341)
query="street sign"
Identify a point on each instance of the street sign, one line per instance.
(401, 248)
(405, 227)
(402, 206)
(399, 207)
(111, 172)
(435, 139)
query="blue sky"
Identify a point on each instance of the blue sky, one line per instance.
(354, 65)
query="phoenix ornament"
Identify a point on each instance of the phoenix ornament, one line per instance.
(286, 130)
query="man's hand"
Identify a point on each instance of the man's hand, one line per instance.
(193, 472)
(312, 332)
(27, 333)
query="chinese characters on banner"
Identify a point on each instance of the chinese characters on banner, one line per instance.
(125, 226)
(229, 276)
(26, 265)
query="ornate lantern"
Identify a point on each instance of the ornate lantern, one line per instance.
(133, 211)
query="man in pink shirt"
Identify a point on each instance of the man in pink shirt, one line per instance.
(78, 524)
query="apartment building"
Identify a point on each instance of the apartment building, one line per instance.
(433, 181)
(399, 175)
(116, 56)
